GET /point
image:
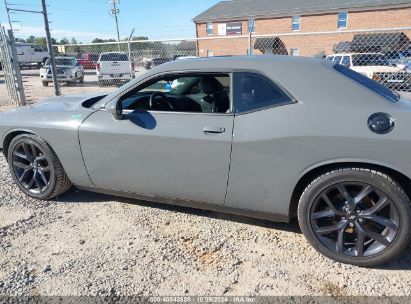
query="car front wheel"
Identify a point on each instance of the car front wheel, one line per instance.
(36, 168)
(356, 216)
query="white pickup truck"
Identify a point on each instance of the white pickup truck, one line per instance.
(114, 68)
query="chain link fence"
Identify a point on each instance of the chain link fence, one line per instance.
(381, 55)
(384, 56)
(11, 83)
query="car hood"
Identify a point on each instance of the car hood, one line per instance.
(67, 103)
(60, 66)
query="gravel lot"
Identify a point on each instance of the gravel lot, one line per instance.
(90, 244)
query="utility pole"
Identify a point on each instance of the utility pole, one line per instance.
(115, 11)
(50, 49)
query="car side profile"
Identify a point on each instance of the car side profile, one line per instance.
(271, 137)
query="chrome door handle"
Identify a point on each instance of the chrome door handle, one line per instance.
(214, 130)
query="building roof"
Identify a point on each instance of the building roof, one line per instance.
(380, 42)
(240, 9)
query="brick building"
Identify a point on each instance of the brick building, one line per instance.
(299, 27)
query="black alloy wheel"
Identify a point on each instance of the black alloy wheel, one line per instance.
(36, 168)
(356, 216)
(31, 167)
(354, 219)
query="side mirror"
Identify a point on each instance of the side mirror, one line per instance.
(115, 107)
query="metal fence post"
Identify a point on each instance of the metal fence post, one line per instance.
(50, 49)
(250, 43)
(129, 54)
(17, 72)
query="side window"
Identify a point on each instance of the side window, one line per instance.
(346, 61)
(342, 20)
(200, 93)
(254, 91)
(209, 29)
(296, 23)
(337, 59)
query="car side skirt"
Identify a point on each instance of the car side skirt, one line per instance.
(192, 204)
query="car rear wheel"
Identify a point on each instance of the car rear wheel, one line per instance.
(36, 168)
(356, 216)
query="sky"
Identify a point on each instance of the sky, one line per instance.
(88, 19)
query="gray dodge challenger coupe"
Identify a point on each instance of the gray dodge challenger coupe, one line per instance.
(263, 136)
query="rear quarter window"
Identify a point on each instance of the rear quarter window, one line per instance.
(253, 92)
(368, 83)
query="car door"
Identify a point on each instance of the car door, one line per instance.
(179, 155)
(262, 162)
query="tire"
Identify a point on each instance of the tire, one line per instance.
(81, 79)
(45, 83)
(342, 207)
(35, 168)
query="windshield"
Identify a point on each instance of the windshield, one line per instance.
(114, 57)
(63, 61)
(370, 60)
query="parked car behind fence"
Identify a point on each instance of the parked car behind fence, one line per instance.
(375, 66)
(68, 71)
(114, 67)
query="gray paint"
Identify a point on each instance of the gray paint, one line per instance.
(57, 121)
(166, 156)
(158, 153)
(242, 9)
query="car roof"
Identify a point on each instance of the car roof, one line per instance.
(276, 66)
(113, 53)
(350, 54)
(244, 61)
(306, 79)
(65, 57)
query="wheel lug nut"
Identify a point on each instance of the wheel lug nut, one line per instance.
(361, 220)
(358, 211)
(351, 224)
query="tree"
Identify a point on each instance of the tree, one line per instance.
(64, 41)
(40, 41)
(43, 42)
(20, 40)
(73, 40)
(98, 40)
(138, 38)
(31, 39)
